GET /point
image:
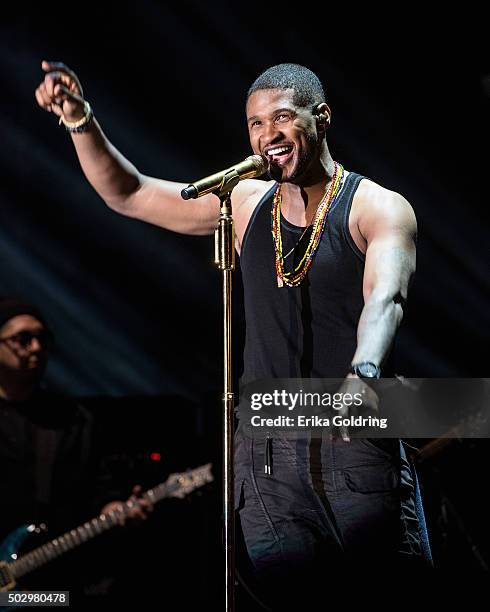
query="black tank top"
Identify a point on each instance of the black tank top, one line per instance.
(309, 330)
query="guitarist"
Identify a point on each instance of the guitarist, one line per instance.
(48, 470)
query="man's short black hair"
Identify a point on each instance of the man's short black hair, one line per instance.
(308, 90)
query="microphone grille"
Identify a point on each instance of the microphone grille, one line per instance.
(260, 163)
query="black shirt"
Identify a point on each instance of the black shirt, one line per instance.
(45, 452)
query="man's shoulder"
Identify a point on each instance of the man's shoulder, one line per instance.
(373, 200)
(377, 211)
(372, 192)
(246, 197)
(251, 191)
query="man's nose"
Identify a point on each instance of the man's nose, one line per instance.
(35, 346)
(270, 134)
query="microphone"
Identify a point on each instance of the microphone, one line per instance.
(252, 166)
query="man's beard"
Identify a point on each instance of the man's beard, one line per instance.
(304, 160)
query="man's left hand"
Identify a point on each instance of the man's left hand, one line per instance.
(139, 507)
(370, 400)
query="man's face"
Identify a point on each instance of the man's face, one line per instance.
(283, 132)
(24, 344)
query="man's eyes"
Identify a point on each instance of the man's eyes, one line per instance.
(282, 118)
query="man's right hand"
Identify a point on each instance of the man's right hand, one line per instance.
(60, 92)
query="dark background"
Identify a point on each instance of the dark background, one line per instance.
(136, 309)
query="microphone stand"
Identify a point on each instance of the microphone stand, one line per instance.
(225, 260)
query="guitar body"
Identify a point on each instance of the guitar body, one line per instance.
(9, 550)
(13, 542)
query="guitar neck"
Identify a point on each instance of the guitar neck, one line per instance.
(177, 485)
(89, 530)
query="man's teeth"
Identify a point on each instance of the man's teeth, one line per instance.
(278, 151)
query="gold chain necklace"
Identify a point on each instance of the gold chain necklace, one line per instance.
(294, 278)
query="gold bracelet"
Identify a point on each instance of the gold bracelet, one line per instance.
(81, 124)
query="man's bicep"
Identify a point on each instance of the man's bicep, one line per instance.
(159, 202)
(391, 252)
(390, 264)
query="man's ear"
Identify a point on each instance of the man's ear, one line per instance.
(323, 115)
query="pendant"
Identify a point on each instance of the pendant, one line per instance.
(279, 282)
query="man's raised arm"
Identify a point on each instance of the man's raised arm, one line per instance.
(116, 180)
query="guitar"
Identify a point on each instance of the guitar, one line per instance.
(12, 567)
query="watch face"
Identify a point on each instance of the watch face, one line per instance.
(368, 370)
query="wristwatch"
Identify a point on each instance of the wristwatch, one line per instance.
(365, 369)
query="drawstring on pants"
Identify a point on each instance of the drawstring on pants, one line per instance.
(268, 455)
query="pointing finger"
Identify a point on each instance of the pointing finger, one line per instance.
(56, 66)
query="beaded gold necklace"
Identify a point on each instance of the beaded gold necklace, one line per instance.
(294, 278)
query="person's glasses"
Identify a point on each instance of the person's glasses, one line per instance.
(25, 338)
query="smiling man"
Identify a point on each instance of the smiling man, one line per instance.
(323, 295)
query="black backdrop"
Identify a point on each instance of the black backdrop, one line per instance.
(136, 309)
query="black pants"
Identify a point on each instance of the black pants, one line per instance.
(330, 512)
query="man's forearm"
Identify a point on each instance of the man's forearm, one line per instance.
(379, 321)
(110, 173)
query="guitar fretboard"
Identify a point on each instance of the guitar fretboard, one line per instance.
(98, 525)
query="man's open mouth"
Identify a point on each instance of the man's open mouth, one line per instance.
(280, 155)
